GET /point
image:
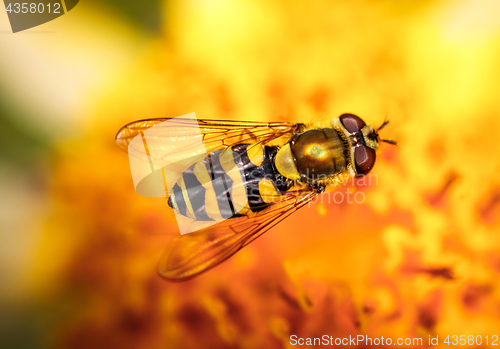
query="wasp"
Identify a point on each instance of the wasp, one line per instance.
(252, 176)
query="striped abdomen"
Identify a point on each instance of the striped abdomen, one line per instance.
(229, 183)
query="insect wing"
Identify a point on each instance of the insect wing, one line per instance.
(190, 255)
(161, 149)
(215, 134)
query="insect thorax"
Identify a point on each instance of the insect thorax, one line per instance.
(315, 156)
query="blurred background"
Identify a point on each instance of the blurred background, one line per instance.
(78, 247)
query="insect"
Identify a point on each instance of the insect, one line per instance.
(252, 176)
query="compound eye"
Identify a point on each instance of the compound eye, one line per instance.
(364, 159)
(351, 122)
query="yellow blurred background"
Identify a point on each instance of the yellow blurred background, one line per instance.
(78, 247)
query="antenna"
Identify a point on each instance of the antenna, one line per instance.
(390, 141)
(386, 122)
